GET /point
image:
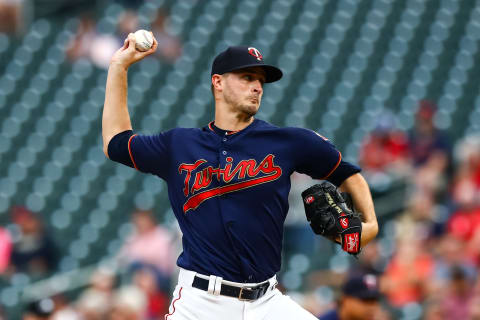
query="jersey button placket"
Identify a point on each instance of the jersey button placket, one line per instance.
(224, 139)
(223, 156)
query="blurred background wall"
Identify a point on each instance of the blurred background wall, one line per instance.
(393, 84)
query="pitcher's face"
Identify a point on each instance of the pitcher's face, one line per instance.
(243, 90)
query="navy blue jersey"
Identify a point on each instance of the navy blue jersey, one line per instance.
(229, 191)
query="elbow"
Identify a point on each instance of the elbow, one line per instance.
(105, 151)
(369, 232)
(105, 147)
(374, 229)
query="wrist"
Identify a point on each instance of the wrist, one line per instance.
(117, 65)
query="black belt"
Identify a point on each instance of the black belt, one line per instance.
(242, 293)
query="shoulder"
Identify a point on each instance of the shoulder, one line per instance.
(181, 132)
(289, 131)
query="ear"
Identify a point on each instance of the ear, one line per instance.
(217, 82)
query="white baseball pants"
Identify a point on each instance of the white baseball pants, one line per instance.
(190, 303)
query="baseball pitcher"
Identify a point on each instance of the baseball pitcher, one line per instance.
(228, 184)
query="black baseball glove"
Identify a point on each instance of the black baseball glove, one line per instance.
(330, 216)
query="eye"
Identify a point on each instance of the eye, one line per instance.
(247, 77)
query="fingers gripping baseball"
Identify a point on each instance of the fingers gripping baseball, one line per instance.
(128, 55)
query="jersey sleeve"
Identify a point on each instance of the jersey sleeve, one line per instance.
(149, 154)
(342, 172)
(316, 156)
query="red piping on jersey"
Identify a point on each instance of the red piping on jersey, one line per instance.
(197, 199)
(173, 303)
(335, 167)
(130, 151)
(228, 132)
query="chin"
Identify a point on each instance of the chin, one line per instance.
(250, 110)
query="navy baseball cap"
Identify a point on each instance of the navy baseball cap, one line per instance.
(364, 287)
(240, 57)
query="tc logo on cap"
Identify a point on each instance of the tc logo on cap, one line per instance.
(254, 52)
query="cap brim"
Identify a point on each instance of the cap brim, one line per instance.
(272, 73)
(369, 295)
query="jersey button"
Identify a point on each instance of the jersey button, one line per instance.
(224, 139)
(224, 152)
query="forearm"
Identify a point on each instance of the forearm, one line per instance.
(115, 111)
(358, 188)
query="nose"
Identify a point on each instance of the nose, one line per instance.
(257, 86)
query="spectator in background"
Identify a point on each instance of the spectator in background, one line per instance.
(11, 20)
(150, 245)
(450, 252)
(129, 303)
(383, 155)
(38, 310)
(457, 300)
(157, 300)
(464, 223)
(5, 249)
(407, 277)
(34, 252)
(474, 311)
(127, 23)
(386, 147)
(369, 262)
(63, 310)
(466, 190)
(466, 183)
(88, 44)
(79, 47)
(95, 302)
(359, 300)
(433, 310)
(429, 152)
(169, 46)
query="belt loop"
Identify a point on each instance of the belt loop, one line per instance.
(218, 286)
(211, 284)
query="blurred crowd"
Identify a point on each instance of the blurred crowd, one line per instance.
(424, 264)
(11, 16)
(93, 43)
(138, 287)
(99, 47)
(427, 255)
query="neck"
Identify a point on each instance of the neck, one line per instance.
(231, 121)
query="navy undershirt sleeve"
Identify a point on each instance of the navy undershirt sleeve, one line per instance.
(118, 148)
(343, 171)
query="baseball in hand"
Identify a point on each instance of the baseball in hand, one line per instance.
(143, 40)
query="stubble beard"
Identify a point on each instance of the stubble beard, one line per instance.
(242, 109)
